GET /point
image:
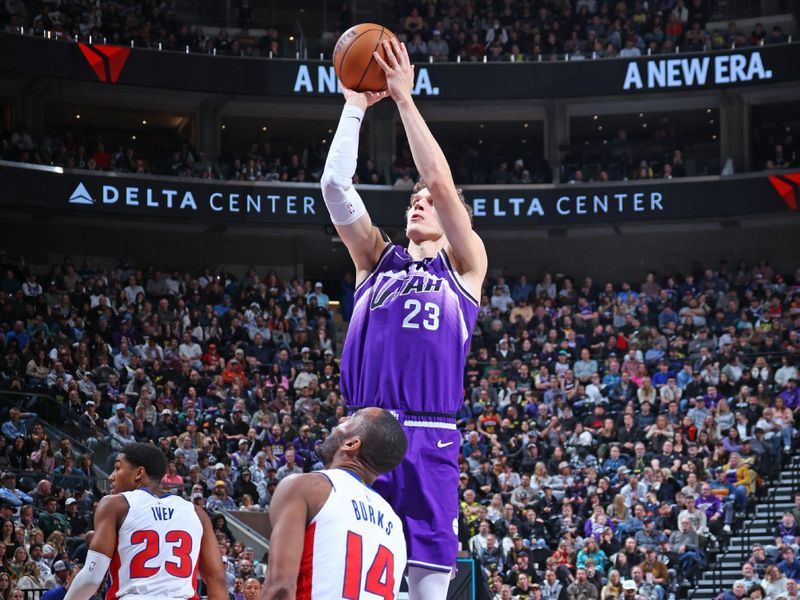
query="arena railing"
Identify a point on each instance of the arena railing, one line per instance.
(48, 412)
(425, 58)
(245, 533)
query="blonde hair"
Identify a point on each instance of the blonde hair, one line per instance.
(619, 506)
(57, 541)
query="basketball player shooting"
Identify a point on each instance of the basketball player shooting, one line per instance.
(150, 544)
(415, 309)
(333, 537)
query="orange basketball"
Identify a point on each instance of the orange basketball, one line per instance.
(353, 60)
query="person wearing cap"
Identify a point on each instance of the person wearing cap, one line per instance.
(78, 526)
(219, 473)
(234, 372)
(323, 300)
(91, 424)
(654, 570)
(120, 416)
(438, 48)
(308, 376)
(242, 459)
(212, 360)
(60, 573)
(166, 426)
(629, 589)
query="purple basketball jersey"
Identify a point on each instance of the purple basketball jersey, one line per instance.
(409, 335)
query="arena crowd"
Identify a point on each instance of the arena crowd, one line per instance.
(442, 31)
(614, 434)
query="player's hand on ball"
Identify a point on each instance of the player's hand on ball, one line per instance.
(362, 99)
(398, 68)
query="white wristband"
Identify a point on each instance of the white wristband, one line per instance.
(86, 582)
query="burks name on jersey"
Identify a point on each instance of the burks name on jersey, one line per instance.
(364, 512)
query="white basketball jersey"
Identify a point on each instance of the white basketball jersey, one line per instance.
(354, 548)
(158, 546)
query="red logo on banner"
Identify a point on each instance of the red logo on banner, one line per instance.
(106, 61)
(787, 189)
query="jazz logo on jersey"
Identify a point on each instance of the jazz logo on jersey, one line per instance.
(367, 513)
(393, 284)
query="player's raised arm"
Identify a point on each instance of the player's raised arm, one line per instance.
(468, 250)
(347, 210)
(210, 560)
(110, 512)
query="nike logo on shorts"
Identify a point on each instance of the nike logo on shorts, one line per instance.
(441, 444)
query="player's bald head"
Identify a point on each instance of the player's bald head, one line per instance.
(383, 441)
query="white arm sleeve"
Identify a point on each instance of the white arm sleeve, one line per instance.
(86, 582)
(344, 204)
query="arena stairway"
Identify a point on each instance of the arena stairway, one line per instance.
(727, 567)
(250, 528)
